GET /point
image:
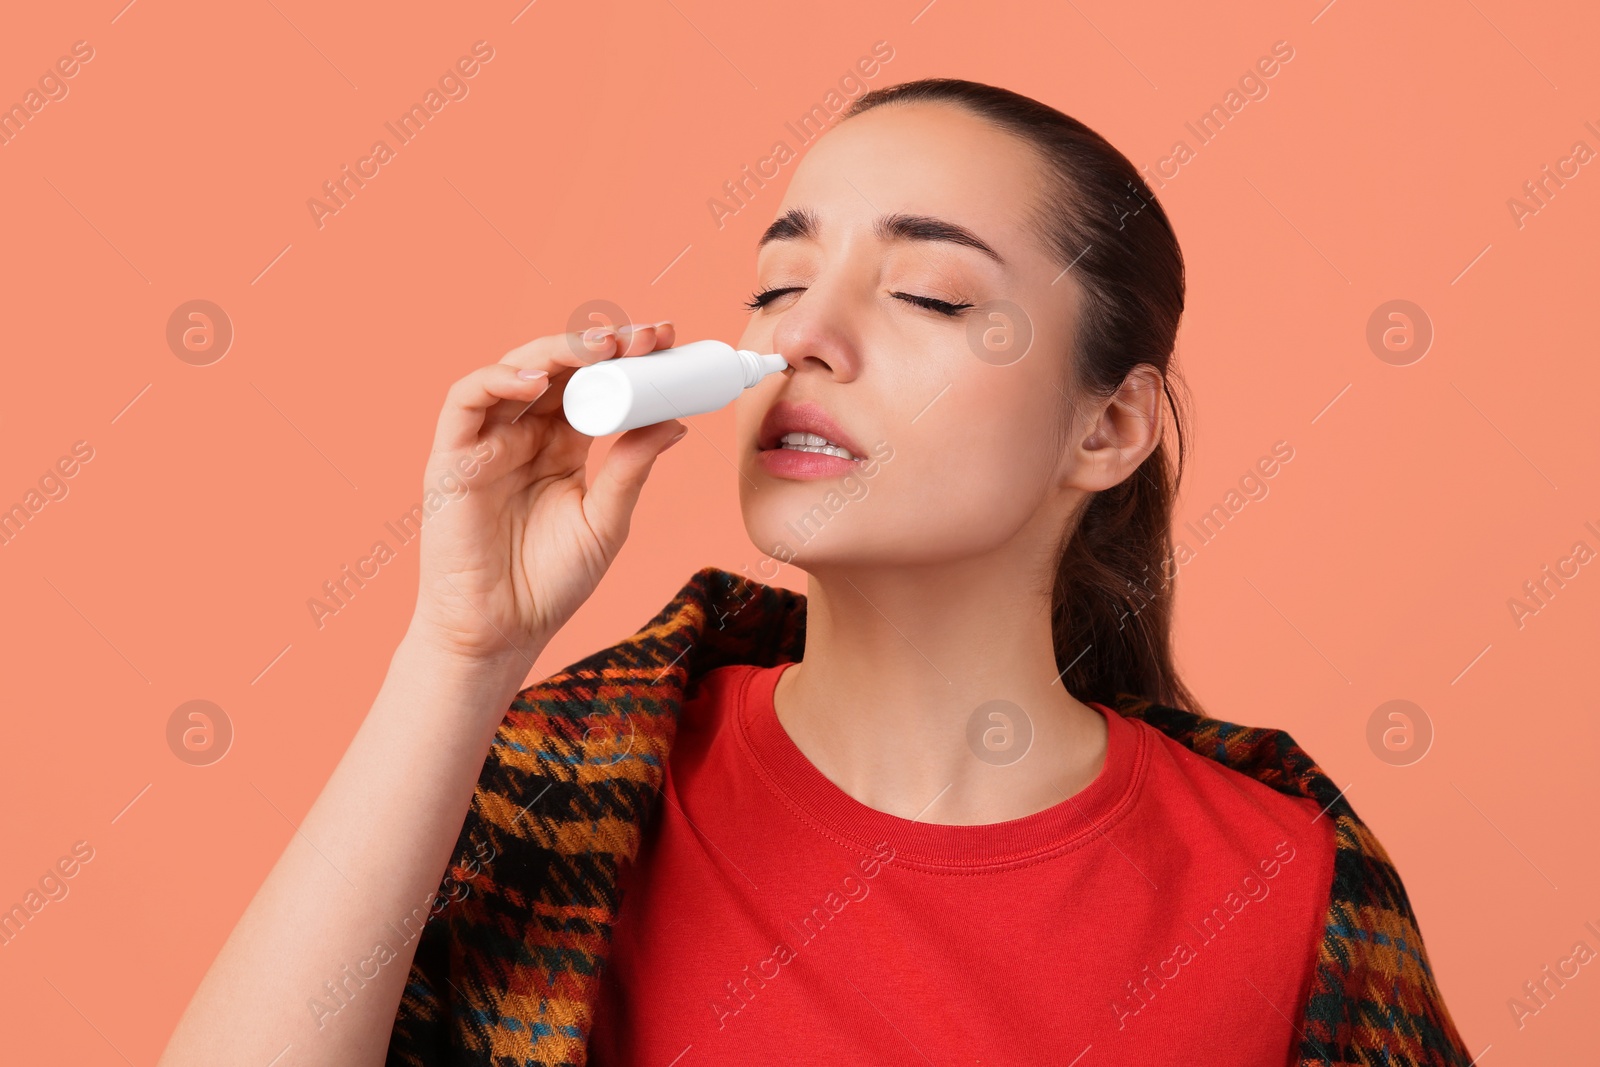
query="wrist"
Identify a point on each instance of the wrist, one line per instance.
(495, 669)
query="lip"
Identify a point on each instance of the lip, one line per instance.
(803, 417)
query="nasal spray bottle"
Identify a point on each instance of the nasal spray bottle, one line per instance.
(630, 391)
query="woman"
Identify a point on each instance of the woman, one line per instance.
(953, 805)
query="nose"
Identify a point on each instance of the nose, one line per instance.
(819, 333)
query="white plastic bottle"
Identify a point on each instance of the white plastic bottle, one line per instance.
(626, 392)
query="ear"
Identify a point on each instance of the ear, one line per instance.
(1125, 429)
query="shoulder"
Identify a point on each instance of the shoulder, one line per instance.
(710, 699)
(1220, 821)
(1248, 786)
(1372, 966)
(1230, 796)
(1247, 768)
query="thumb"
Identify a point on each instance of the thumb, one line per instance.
(608, 504)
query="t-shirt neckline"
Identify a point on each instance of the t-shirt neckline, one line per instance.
(1069, 824)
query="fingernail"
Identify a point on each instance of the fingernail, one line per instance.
(529, 374)
(675, 439)
(663, 322)
(632, 328)
(597, 334)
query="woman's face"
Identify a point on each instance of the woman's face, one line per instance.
(952, 418)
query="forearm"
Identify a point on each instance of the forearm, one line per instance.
(362, 870)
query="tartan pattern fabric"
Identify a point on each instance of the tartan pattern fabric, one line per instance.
(507, 973)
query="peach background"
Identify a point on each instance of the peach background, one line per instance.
(579, 167)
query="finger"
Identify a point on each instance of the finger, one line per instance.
(666, 335)
(470, 398)
(559, 353)
(562, 352)
(608, 504)
(634, 339)
(644, 338)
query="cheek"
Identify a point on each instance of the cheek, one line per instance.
(969, 481)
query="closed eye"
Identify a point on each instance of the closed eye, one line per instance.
(944, 307)
(767, 296)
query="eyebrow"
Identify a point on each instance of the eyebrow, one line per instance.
(798, 224)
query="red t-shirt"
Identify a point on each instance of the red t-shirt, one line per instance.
(1170, 912)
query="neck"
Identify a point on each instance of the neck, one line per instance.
(889, 700)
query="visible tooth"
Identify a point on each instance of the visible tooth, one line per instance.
(802, 441)
(828, 450)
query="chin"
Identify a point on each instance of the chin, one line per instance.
(804, 539)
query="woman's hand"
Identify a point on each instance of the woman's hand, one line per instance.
(521, 539)
(513, 541)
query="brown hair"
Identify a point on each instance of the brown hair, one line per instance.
(1111, 605)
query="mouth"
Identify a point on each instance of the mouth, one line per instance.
(810, 442)
(805, 427)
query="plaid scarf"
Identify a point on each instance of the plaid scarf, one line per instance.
(508, 971)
